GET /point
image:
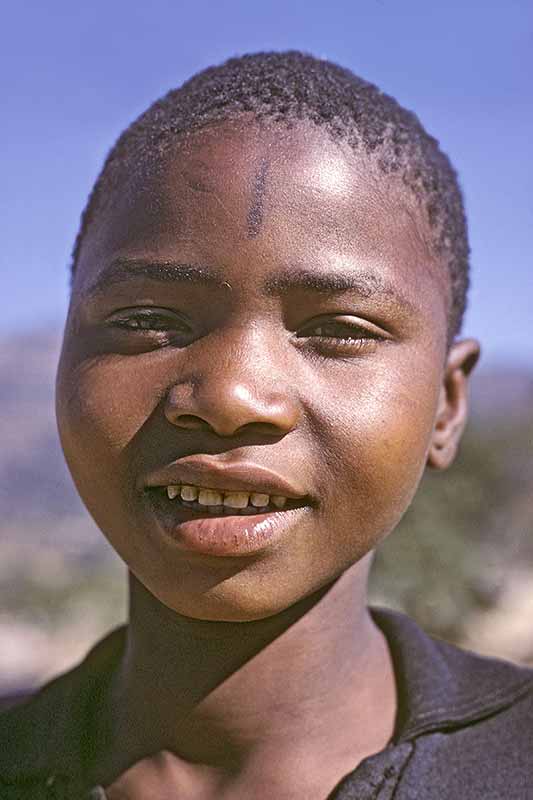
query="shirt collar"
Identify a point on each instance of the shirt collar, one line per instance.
(440, 686)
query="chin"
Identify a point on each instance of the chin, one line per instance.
(240, 599)
(224, 605)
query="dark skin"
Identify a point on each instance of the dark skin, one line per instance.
(264, 675)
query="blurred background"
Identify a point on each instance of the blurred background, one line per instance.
(73, 76)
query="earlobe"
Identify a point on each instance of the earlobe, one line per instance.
(452, 411)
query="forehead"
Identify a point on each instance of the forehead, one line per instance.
(265, 195)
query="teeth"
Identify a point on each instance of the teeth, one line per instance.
(209, 497)
(189, 492)
(278, 500)
(259, 500)
(212, 497)
(236, 499)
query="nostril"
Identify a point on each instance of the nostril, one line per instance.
(190, 422)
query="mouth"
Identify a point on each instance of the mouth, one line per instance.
(210, 522)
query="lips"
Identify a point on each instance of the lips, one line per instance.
(210, 472)
(223, 536)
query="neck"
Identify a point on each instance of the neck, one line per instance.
(220, 693)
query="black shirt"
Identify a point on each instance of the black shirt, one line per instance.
(464, 727)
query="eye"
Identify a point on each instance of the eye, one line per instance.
(149, 320)
(346, 333)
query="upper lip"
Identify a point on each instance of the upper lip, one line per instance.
(211, 473)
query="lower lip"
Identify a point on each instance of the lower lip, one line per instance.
(229, 536)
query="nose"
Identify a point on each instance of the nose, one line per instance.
(237, 383)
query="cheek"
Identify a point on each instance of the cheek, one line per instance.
(101, 407)
(397, 425)
(375, 448)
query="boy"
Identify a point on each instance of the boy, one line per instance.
(259, 361)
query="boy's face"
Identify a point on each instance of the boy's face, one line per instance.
(339, 391)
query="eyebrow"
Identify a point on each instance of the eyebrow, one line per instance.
(364, 284)
(124, 270)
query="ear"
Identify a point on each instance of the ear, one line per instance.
(452, 411)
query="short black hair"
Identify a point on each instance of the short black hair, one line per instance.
(291, 86)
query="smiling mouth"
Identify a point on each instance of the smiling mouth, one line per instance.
(204, 502)
(221, 530)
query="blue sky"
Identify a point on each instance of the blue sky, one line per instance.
(75, 74)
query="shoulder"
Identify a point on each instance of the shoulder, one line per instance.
(43, 735)
(467, 719)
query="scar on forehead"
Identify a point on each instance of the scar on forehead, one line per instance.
(254, 219)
